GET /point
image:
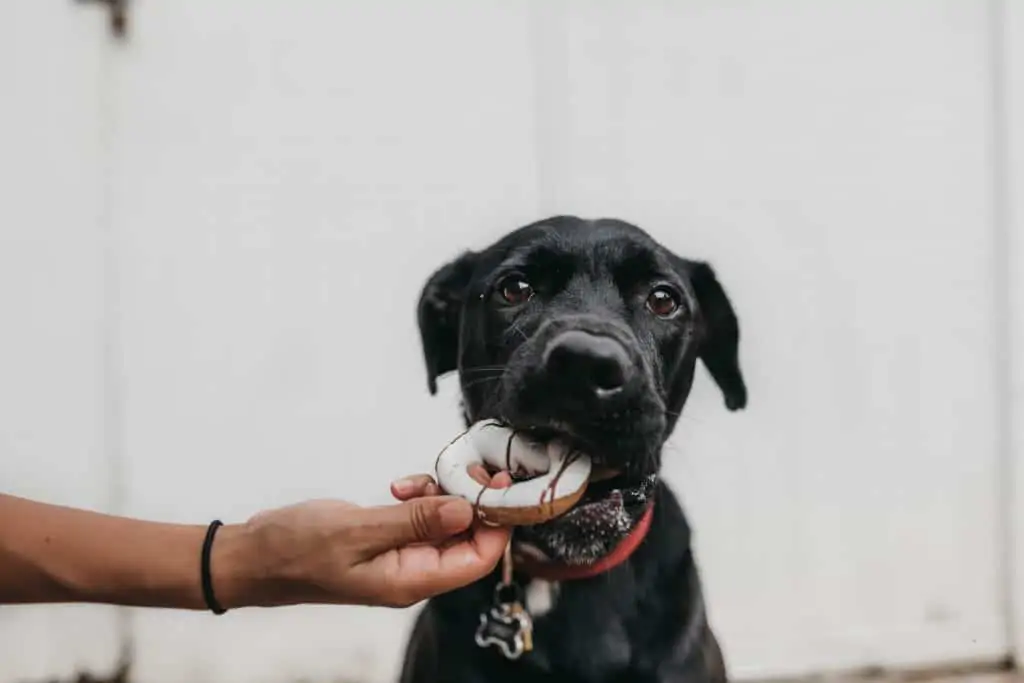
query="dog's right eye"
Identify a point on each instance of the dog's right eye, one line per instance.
(515, 290)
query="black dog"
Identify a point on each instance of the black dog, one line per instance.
(589, 331)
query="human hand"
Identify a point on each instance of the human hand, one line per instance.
(329, 551)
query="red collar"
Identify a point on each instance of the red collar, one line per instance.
(552, 571)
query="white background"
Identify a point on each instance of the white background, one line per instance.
(212, 238)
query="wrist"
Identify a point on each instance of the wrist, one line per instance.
(237, 576)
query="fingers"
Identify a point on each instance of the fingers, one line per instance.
(479, 474)
(467, 562)
(423, 485)
(459, 564)
(414, 573)
(432, 519)
(501, 480)
(414, 486)
(422, 554)
(419, 521)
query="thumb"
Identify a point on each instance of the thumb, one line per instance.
(421, 520)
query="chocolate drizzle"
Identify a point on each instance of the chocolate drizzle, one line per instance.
(549, 490)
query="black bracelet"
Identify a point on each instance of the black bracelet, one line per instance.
(204, 569)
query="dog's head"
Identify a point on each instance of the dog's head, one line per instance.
(589, 331)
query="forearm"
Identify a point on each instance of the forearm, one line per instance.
(50, 553)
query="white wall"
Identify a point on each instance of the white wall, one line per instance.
(288, 181)
(52, 310)
(248, 188)
(832, 159)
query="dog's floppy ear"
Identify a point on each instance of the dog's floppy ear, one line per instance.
(439, 310)
(719, 348)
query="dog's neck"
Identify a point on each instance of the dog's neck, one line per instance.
(549, 570)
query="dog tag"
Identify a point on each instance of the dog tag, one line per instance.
(506, 625)
(507, 628)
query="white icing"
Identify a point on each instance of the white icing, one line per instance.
(487, 442)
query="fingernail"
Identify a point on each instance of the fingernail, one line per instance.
(501, 480)
(401, 483)
(455, 515)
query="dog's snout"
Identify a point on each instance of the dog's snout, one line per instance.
(596, 361)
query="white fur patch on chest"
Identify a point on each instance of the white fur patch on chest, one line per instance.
(541, 596)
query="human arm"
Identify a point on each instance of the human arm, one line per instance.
(318, 551)
(53, 553)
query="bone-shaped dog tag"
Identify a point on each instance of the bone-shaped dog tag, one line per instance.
(506, 625)
(507, 628)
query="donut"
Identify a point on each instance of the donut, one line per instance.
(548, 478)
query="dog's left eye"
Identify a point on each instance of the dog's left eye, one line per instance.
(663, 302)
(515, 290)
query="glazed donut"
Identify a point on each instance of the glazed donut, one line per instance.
(557, 475)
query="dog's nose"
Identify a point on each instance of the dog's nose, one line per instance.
(598, 362)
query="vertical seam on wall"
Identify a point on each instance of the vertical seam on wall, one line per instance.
(1011, 92)
(113, 384)
(550, 79)
(1002, 306)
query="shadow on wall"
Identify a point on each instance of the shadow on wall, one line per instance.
(1002, 671)
(122, 675)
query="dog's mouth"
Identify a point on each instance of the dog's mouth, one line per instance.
(605, 515)
(614, 501)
